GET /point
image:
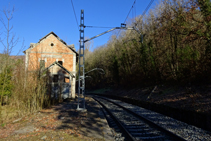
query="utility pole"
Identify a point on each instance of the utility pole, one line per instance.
(81, 58)
(81, 74)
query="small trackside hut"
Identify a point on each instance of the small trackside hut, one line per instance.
(53, 54)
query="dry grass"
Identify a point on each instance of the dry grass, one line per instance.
(29, 95)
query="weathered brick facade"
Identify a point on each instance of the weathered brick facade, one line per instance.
(52, 49)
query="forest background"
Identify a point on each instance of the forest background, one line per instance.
(175, 49)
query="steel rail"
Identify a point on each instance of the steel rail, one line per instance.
(128, 135)
(147, 120)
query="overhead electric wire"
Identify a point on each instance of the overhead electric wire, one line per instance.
(98, 27)
(128, 14)
(133, 6)
(75, 14)
(148, 6)
(130, 10)
(135, 10)
(145, 10)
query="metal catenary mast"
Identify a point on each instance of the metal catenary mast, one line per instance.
(81, 58)
(81, 73)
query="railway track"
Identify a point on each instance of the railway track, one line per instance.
(135, 123)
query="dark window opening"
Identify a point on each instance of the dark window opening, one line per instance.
(66, 80)
(60, 62)
(42, 64)
(55, 78)
(52, 44)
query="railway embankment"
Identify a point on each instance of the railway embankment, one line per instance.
(188, 104)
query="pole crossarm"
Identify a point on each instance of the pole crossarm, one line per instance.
(99, 69)
(125, 28)
(84, 78)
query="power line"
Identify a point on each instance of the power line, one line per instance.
(128, 14)
(75, 14)
(130, 10)
(133, 6)
(148, 6)
(145, 11)
(98, 27)
(135, 10)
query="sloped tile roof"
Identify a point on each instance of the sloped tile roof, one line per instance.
(72, 47)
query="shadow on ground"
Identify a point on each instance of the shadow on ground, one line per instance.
(91, 123)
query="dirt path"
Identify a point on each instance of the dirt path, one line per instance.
(61, 122)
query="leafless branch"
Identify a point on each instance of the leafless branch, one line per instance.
(9, 41)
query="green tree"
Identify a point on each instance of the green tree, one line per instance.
(205, 8)
(5, 82)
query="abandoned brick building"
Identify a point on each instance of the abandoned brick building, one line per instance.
(53, 54)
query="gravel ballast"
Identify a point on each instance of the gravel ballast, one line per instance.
(184, 130)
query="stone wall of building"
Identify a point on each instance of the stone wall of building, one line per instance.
(48, 50)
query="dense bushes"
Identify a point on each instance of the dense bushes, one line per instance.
(5, 82)
(24, 92)
(21, 92)
(176, 48)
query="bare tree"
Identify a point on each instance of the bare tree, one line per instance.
(8, 41)
(8, 38)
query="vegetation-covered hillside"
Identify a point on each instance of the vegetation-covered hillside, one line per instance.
(176, 48)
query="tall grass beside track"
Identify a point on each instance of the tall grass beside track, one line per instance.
(28, 94)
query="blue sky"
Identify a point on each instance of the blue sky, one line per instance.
(33, 19)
